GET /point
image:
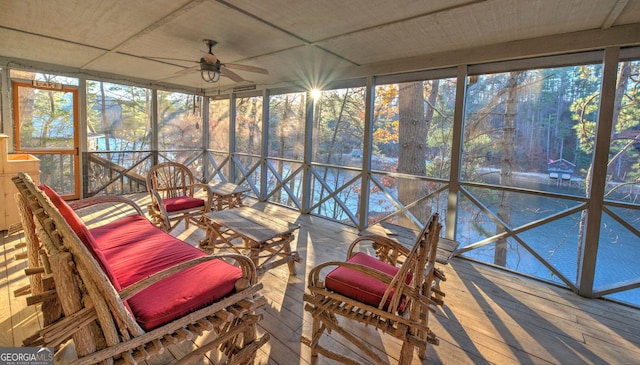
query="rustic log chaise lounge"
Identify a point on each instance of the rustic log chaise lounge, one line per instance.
(128, 289)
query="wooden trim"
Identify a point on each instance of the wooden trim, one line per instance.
(74, 151)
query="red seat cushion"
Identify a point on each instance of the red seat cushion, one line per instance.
(185, 292)
(134, 249)
(182, 202)
(359, 286)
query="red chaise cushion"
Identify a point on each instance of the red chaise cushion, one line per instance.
(181, 202)
(131, 248)
(359, 286)
(123, 231)
(134, 249)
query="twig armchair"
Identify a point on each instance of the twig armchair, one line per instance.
(173, 192)
(392, 292)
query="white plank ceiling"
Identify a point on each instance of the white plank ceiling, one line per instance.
(301, 42)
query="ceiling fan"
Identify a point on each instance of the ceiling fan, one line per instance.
(211, 68)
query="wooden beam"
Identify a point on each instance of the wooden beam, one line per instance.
(614, 14)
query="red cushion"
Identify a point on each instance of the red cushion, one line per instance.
(181, 203)
(183, 293)
(134, 249)
(131, 248)
(120, 232)
(359, 286)
(70, 216)
(138, 249)
(80, 230)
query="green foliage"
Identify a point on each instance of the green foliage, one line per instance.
(584, 113)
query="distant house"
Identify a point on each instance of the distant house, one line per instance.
(561, 169)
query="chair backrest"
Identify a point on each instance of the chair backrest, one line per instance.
(419, 263)
(170, 180)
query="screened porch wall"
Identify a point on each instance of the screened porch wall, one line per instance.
(493, 131)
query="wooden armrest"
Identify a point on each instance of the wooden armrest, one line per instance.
(387, 249)
(314, 274)
(210, 196)
(95, 200)
(156, 202)
(247, 266)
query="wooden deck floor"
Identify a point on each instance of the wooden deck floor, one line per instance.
(489, 316)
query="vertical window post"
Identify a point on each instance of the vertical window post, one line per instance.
(154, 126)
(232, 137)
(310, 104)
(206, 138)
(367, 151)
(264, 151)
(456, 152)
(587, 267)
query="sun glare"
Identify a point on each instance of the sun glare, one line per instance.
(315, 93)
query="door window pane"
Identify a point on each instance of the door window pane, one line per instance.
(46, 119)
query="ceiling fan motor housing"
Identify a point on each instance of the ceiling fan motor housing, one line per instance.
(206, 66)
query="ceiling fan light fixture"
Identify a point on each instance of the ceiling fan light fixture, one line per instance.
(210, 76)
(209, 72)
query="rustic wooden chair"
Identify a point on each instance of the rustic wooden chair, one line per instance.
(100, 319)
(173, 191)
(392, 292)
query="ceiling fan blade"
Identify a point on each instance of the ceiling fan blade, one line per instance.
(232, 75)
(247, 68)
(188, 70)
(211, 58)
(169, 59)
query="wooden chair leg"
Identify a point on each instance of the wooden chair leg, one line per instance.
(406, 354)
(287, 250)
(316, 333)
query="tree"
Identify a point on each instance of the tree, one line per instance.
(413, 127)
(507, 146)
